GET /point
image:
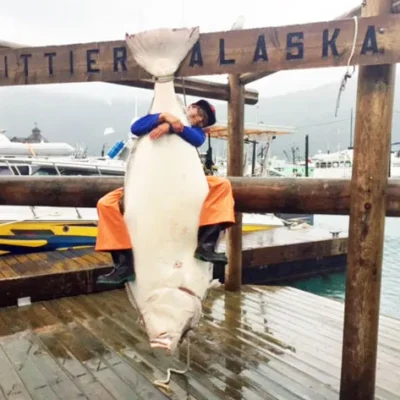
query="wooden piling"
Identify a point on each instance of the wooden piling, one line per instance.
(367, 222)
(233, 272)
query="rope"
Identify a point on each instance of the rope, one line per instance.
(347, 74)
(163, 79)
(165, 382)
(184, 91)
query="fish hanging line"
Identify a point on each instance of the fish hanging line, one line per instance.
(184, 91)
(165, 382)
(347, 74)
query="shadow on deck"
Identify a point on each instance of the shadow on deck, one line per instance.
(275, 343)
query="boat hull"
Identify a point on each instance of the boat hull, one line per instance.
(256, 228)
(36, 236)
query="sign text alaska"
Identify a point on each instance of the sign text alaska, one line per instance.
(316, 45)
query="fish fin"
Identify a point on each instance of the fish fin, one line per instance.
(161, 51)
(214, 284)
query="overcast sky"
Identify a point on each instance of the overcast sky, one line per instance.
(46, 22)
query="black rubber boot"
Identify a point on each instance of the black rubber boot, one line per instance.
(207, 241)
(123, 269)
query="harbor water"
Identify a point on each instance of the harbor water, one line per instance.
(334, 285)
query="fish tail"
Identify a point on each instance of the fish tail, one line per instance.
(161, 51)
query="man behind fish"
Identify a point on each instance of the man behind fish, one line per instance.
(217, 213)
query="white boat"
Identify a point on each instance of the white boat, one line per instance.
(42, 148)
(31, 229)
(339, 164)
(289, 169)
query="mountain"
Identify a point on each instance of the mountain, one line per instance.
(79, 113)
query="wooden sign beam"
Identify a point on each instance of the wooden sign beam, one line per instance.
(190, 87)
(10, 45)
(356, 11)
(316, 45)
(254, 76)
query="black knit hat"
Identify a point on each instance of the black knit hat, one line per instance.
(209, 110)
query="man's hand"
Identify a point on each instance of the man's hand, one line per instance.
(161, 129)
(175, 123)
(167, 117)
(177, 126)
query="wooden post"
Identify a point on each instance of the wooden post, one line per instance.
(367, 221)
(233, 273)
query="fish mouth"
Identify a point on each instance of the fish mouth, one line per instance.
(162, 342)
(166, 342)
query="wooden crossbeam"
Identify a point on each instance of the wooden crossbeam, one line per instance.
(254, 76)
(257, 132)
(197, 87)
(316, 45)
(252, 195)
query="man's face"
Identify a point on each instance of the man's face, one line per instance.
(196, 116)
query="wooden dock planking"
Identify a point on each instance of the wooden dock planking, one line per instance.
(264, 342)
(73, 368)
(286, 253)
(50, 275)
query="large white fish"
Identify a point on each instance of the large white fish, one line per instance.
(165, 188)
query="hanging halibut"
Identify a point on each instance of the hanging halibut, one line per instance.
(165, 188)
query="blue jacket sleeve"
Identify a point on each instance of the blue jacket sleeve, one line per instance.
(145, 124)
(192, 134)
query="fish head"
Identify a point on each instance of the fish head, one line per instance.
(169, 314)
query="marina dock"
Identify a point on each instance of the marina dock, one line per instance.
(285, 255)
(261, 343)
